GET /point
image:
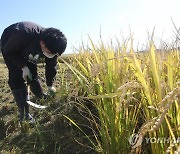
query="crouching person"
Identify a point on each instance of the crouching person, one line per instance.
(23, 45)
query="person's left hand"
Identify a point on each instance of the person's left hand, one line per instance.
(51, 90)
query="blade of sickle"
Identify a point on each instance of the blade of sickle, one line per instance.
(31, 103)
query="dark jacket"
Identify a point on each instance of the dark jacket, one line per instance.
(20, 43)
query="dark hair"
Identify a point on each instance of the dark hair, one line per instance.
(54, 40)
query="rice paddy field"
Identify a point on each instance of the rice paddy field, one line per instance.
(109, 100)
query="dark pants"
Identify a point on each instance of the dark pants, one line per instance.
(16, 80)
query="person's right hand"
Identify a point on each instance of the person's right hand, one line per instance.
(26, 73)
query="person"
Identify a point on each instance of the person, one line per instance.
(23, 45)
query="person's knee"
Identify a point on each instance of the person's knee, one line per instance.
(16, 83)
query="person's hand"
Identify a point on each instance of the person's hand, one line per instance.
(26, 73)
(51, 90)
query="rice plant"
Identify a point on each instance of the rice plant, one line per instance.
(132, 92)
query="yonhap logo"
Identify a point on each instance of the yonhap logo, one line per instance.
(135, 140)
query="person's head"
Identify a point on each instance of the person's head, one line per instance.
(53, 42)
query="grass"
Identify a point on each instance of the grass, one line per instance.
(53, 132)
(104, 95)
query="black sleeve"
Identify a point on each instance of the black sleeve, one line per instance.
(50, 70)
(12, 49)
